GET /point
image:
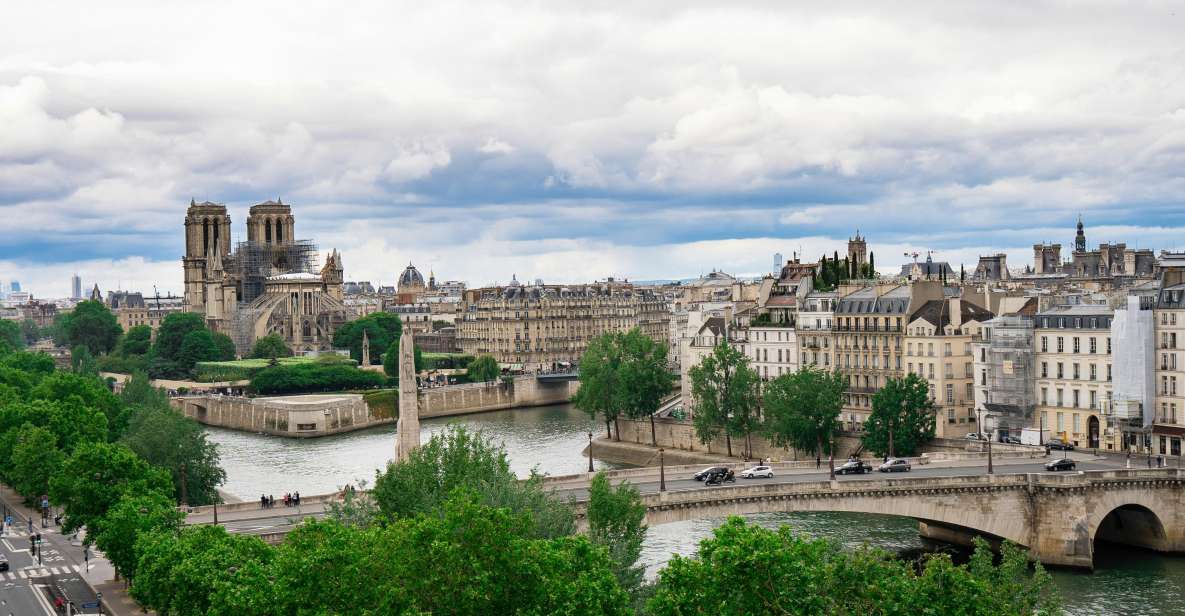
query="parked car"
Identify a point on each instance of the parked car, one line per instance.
(719, 476)
(700, 476)
(757, 471)
(894, 465)
(3, 564)
(1060, 445)
(972, 436)
(1061, 464)
(854, 467)
(1011, 440)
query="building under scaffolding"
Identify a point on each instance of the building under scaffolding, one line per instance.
(254, 262)
(1004, 366)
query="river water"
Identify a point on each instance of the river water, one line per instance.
(1125, 581)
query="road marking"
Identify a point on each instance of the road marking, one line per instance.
(23, 574)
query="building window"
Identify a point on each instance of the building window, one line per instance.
(1094, 372)
(1044, 396)
(1077, 423)
(1094, 345)
(970, 393)
(1077, 372)
(1061, 421)
(1061, 370)
(950, 394)
(1061, 399)
(1061, 344)
(1044, 344)
(1075, 396)
(1044, 369)
(1094, 402)
(1077, 347)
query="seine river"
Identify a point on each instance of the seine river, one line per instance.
(551, 438)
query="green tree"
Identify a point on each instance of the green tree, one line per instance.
(167, 439)
(172, 332)
(644, 378)
(224, 345)
(96, 476)
(92, 391)
(747, 569)
(616, 520)
(458, 459)
(725, 389)
(138, 392)
(382, 330)
(197, 346)
(83, 362)
(599, 392)
(483, 369)
(138, 341)
(203, 570)
(802, 409)
(92, 325)
(357, 508)
(35, 458)
(269, 346)
(902, 418)
(11, 335)
(133, 516)
(314, 377)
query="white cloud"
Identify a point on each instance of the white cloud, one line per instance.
(495, 146)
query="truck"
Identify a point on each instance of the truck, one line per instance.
(1034, 436)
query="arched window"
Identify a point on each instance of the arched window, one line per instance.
(206, 236)
(267, 231)
(279, 232)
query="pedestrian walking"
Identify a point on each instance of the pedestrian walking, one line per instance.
(296, 498)
(818, 461)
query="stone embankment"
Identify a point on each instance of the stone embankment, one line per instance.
(324, 414)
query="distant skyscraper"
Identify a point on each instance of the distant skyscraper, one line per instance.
(75, 287)
(15, 286)
(777, 262)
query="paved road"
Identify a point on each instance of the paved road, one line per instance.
(34, 582)
(281, 518)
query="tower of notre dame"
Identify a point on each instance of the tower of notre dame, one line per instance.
(268, 284)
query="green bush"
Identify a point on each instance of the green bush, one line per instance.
(311, 378)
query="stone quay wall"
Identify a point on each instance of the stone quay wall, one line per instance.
(324, 414)
(297, 416)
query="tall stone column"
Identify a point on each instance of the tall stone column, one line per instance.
(407, 434)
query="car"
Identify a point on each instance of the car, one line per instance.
(1010, 440)
(3, 564)
(1060, 445)
(854, 467)
(972, 436)
(1061, 464)
(711, 470)
(894, 465)
(757, 471)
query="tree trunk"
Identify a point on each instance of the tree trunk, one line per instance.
(608, 431)
(653, 438)
(890, 439)
(616, 430)
(748, 445)
(728, 442)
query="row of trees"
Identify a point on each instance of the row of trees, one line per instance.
(802, 409)
(61, 431)
(623, 374)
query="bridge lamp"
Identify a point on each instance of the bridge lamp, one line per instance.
(590, 464)
(662, 473)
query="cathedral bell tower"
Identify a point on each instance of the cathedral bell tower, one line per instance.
(207, 235)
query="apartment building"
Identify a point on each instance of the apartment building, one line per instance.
(539, 327)
(938, 339)
(1169, 317)
(1074, 371)
(814, 326)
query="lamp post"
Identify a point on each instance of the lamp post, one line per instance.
(662, 472)
(831, 459)
(990, 470)
(590, 465)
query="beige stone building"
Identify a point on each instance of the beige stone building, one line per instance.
(1074, 372)
(1169, 411)
(544, 327)
(938, 341)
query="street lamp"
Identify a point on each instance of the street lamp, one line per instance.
(831, 459)
(590, 465)
(662, 472)
(986, 418)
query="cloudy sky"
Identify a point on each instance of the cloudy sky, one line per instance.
(577, 140)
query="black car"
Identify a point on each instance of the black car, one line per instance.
(711, 470)
(1010, 440)
(1059, 445)
(3, 564)
(854, 467)
(1061, 464)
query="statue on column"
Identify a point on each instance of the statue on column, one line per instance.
(365, 349)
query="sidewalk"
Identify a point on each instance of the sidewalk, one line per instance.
(100, 575)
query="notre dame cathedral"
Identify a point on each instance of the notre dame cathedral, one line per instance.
(269, 284)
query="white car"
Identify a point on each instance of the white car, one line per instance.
(973, 436)
(757, 471)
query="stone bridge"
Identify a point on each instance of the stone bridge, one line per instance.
(1057, 517)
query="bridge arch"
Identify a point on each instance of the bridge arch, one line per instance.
(1135, 525)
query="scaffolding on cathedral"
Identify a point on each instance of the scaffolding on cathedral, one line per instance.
(254, 262)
